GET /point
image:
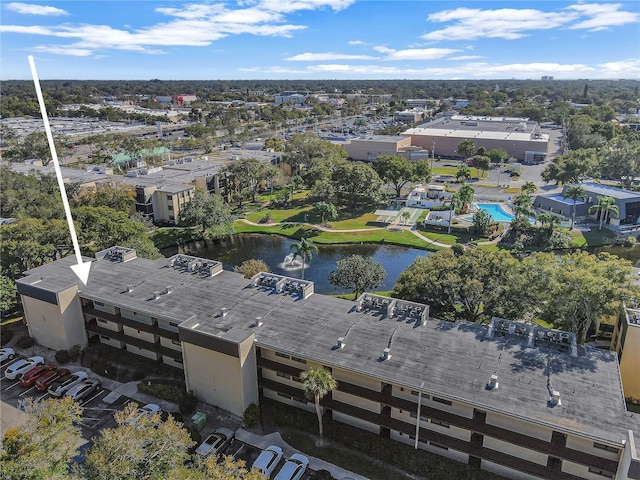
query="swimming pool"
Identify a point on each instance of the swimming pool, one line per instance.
(495, 210)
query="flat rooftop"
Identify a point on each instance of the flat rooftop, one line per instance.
(453, 360)
(543, 138)
(608, 191)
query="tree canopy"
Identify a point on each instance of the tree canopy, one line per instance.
(358, 274)
(209, 212)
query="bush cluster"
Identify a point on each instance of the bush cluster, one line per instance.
(26, 341)
(172, 393)
(62, 356)
(251, 416)
(6, 334)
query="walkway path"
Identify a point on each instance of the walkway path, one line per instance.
(325, 229)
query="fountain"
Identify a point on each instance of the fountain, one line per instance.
(292, 262)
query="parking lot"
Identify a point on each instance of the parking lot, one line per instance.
(98, 410)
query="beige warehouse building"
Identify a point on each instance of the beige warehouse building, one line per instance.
(519, 137)
(516, 399)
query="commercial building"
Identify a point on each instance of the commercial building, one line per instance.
(368, 148)
(628, 202)
(520, 138)
(516, 399)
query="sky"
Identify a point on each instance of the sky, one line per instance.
(320, 39)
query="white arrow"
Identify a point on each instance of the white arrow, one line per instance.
(82, 268)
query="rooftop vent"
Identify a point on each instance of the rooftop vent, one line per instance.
(493, 382)
(341, 343)
(167, 290)
(156, 295)
(129, 288)
(555, 399)
(259, 322)
(223, 312)
(387, 354)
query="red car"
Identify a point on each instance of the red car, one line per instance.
(45, 380)
(30, 376)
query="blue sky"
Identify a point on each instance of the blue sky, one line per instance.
(320, 39)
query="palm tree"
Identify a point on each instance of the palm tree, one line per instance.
(605, 207)
(523, 205)
(465, 194)
(454, 203)
(528, 188)
(464, 173)
(574, 192)
(305, 249)
(317, 383)
(466, 148)
(405, 216)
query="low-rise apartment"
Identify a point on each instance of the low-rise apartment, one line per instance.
(516, 399)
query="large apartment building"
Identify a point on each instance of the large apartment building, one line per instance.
(515, 399)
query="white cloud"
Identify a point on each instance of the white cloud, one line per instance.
(621, 69)
(602, 16)
(196, 25)
(320, 57)
(30, 9)
(507, 23)
(466, 57)
(64, 50)
(415, 53)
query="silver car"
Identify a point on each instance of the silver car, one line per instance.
(58, 388)
(268, 460)
(83, 389)
(17, 369)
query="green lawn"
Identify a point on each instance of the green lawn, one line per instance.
(594, 238)
(279, 215)
(403, 237)
(445, 171)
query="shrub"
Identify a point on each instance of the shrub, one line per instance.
(266, 218)
(62, 356)
(6, 334)
(26, 341)
(74, 352)
(251, 416)
(630, 241)
(104, 368)
(172, 393)
(457, 249)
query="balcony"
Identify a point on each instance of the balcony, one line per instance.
(143, 327)
(92, 326)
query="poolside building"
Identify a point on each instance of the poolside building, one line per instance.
(628, 203)
(516, 399)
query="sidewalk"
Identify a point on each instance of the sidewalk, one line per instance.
(261, 442)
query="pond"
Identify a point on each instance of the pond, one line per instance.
(273, 249)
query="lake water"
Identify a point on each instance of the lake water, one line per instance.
(273, 249)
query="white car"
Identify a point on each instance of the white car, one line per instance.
(268, 460)
(60, 387)
(6, 354)
(147, 411)
(293, 468)
(17, 369)
(83, 389)
(216, 442)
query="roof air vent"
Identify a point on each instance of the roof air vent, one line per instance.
(167, 290)
(493, 382)
(341, 343)
(259, 322)
(156, 295)
(223, 312)
(387, 354)
(129, 288)
(555, 399)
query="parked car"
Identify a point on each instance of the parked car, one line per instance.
(147, 411)
(60, 386)
(268, 460)
(46, 379)
(216, 442)
(83, 389)
(30, 377)
(6, 354)
(293, 468)
(17, 369)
